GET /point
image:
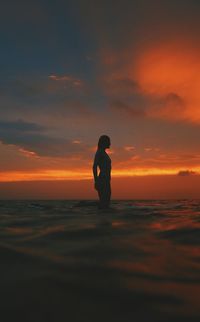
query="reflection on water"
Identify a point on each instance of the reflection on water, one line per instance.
(139, 261)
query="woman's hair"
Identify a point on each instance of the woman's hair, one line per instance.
(104, 142)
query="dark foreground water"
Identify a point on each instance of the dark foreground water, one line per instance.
(67, 261)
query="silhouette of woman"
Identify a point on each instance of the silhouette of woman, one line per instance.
(102, 180)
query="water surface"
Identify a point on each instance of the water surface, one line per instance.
(68, 261)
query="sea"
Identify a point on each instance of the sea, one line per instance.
(66, 260)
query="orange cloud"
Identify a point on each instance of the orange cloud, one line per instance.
(153, 161)
(158, 80)
(129, 148)
(171, 73)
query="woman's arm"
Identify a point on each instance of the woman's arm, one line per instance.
(95, 172)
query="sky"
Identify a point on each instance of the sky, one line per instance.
(74, 70)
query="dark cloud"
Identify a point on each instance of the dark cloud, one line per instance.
(186, 173)
(127, 110)
(173, 100)
(31, 137)
(170, 107)
(20, 126)
(38, 86)
(54, 96)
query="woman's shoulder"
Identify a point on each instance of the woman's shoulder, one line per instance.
(100, 154)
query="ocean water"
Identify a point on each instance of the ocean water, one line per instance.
(69, 261)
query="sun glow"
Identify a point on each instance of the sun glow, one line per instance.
(58, 175)
(43, 175)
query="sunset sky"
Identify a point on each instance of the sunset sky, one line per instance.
(73, 70)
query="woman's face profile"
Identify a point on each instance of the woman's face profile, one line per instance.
(104, 142)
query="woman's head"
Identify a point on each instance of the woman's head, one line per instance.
(104, 142)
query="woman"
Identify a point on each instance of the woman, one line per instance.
(102, 180)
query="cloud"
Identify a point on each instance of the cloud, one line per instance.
(68, 79)
(168, 72)
(186, 173)
(162, 82)
(42, 97)
(174, 100)
(41, 87)
(20, 126)
(171, 107)
(135, 56)
(125, 109)
(129, 148)
(30, 138)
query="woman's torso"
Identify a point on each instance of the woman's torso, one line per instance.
(104, 163)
